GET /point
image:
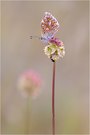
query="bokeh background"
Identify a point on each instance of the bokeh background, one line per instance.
(20, 19)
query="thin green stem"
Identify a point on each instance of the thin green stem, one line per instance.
(27, 115)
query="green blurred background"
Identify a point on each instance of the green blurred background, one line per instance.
(20, 19)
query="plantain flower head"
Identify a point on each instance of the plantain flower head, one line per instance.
(29, 83)
(55, 49)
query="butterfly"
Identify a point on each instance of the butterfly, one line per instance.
(49, 27)
(54, 46)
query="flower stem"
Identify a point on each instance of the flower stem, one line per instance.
(27, 115)
(53, 100)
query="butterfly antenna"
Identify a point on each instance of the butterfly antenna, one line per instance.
(31, 37)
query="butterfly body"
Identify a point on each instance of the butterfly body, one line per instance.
(45, 38)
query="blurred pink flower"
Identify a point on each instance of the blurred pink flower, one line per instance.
(29, 83)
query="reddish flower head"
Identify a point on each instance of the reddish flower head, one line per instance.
(56, 41)
(29, 83)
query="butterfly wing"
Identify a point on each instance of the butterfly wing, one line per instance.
(49, 26)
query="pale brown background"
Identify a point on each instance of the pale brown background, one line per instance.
(20, 19)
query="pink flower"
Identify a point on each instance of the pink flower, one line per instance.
(29, 83)
(56, 41)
